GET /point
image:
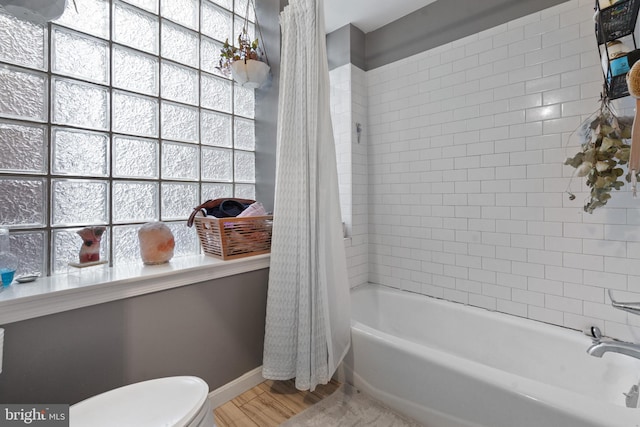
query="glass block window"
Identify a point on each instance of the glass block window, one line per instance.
(115, 115)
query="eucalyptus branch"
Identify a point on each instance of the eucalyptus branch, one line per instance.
(604, 151)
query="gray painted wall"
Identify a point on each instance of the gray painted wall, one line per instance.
(339, 47)
(442, 22)
(214, 330)
(357, 41)
(346, 45)
(266, 103)
(434, 25)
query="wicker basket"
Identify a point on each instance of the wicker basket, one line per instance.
(231, 238)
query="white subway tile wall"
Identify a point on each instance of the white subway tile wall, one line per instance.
(466, 183)
(348, 109)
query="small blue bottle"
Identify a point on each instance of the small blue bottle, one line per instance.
(8, 261)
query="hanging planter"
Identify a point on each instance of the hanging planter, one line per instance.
(246, 63)
(250, 73)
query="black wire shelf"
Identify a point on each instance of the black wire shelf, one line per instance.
(617, 20)
(612, 23)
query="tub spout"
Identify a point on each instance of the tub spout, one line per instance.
(602, 347)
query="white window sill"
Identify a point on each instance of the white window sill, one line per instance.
(100, 284)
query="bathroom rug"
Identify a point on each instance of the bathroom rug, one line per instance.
(348, 407)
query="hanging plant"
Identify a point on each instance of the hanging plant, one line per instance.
(247, 63)
(604, 152)
(245, 50)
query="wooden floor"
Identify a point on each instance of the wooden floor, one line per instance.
(269, 404)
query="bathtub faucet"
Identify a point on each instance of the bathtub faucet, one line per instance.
(599, 347)
(602, 347)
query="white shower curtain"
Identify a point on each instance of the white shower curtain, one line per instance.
(307, 330)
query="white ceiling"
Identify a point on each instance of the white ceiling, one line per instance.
(367, 15)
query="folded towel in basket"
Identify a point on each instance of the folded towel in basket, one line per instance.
(255, 209)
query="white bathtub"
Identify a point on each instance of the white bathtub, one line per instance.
(446, 364)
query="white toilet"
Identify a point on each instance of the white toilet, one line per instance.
(166, 402)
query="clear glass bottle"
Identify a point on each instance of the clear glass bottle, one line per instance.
(8, 261)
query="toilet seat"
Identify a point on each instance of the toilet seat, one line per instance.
(172, 401)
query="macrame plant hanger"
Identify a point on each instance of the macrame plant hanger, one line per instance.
(248, 72)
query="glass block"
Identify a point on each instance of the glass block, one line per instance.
(246, 191)
(23, 148)
(184, 12)
(179, 44)
(179, 122)
(23, 202)
(30, 247)
(241, 9)
(227, 4)
(150, 5)
(24, 94)
(216, 93)
(22, 42)
(212, 191)
(216, 164)
(80, 104)
(210, 55)
(74, 54)
(135, 114)
(215, 128)
(179, 83)
(244, 166)
(126, 246)
(78, 202)
(243, 101)
(92, 17)
(180, 161)
(135, 71)
(135, 201)
(244, 135)
(187, 242)
(76, 152)
(66, 247)
(216, 22)
(135, 157)
(135, 28)
(178, 200)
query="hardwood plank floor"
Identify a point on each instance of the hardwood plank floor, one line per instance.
(269, 404)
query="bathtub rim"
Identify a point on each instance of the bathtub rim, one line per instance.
(528, 323)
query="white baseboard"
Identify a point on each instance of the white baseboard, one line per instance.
(236, 387)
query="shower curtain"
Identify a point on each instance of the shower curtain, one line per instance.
(307, 331)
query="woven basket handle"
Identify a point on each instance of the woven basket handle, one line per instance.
(210, 204)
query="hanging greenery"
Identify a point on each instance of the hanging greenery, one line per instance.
(604, 151)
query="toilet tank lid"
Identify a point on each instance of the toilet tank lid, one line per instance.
(171, 401)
